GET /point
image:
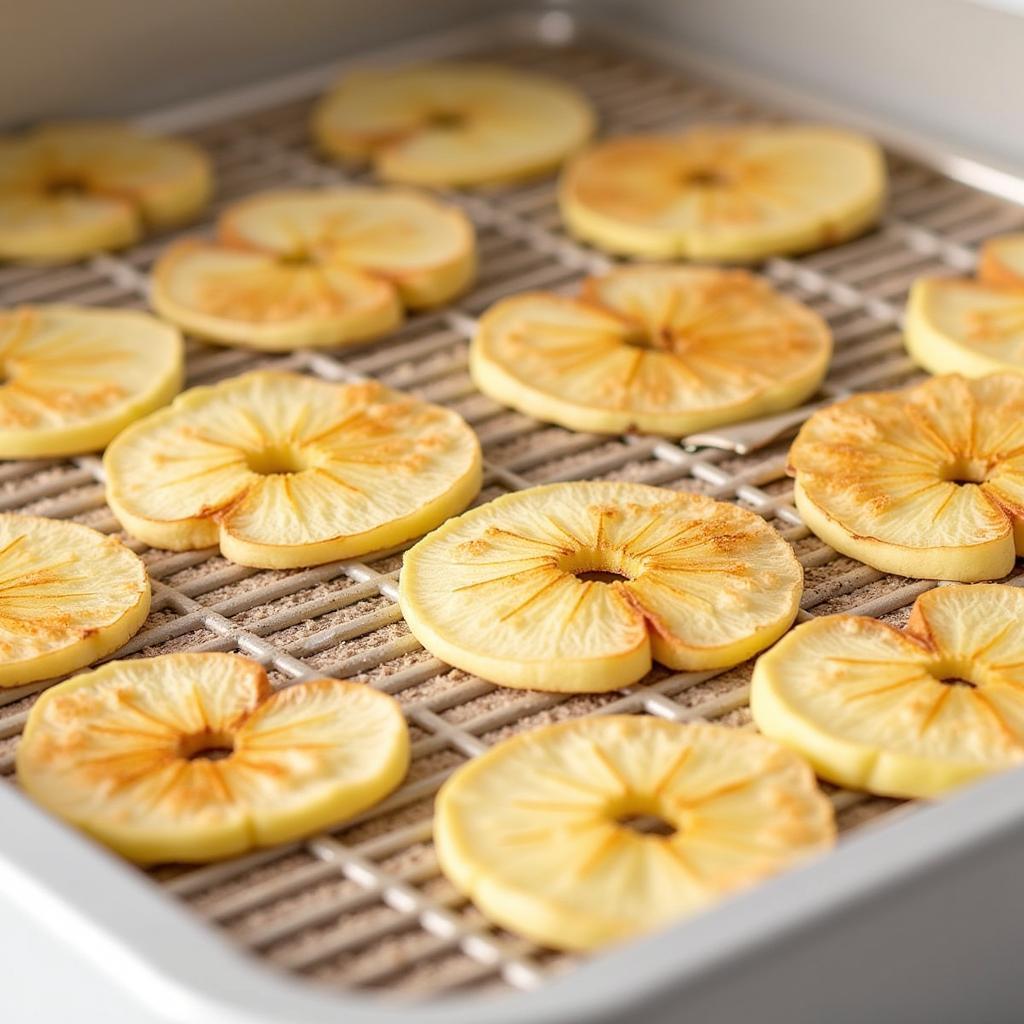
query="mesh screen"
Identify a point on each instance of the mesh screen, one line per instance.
(364, 905)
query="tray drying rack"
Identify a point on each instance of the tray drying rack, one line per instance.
(363, 907)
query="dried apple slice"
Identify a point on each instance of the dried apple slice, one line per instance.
(68, 596)
(536, 831)
(190, 757)
(455, 124)
(663, 350)
(905, 713)
(73, 189)
(733, 192)
(968, 327)
(72, 378)
(316, 267)
(927, 482)
(283, 470)
(508, 590)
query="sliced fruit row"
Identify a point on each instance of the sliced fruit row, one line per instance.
(70, 190)
(728, 193)
(741, 192)
(666, 351)
(928, 483)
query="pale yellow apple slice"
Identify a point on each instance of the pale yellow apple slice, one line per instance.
(316, 267)
(455, 124)
(969, 327)
(537, 830)
(71, 378)
(730, 192)
(662, 350)
(927, 482)
(905, 713)
(68, 596)
(508, 590)
(190, 757)
(72, 189)
(283, 470)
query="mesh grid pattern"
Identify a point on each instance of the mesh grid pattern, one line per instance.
(364, 905)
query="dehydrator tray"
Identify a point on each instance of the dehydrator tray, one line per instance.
(360, 916)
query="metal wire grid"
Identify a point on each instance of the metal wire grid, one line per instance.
(364, 905)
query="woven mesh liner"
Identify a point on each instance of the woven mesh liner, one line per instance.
(365, 906)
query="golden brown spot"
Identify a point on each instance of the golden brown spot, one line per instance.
(276, 293)
(370, 391)
(995, 324)
(726, 542)
(475, 547)
(295, 259)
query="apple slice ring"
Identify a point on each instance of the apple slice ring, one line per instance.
(927, 482)
(665, 350)
(575, 587)
(69, 595)
(74, 377)
(731, 193)
(190, 757)
(541, 830)
(955, 325)
(453, 124)
(909, 712)
(284, 470)
(316, 267)
(72, 189)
